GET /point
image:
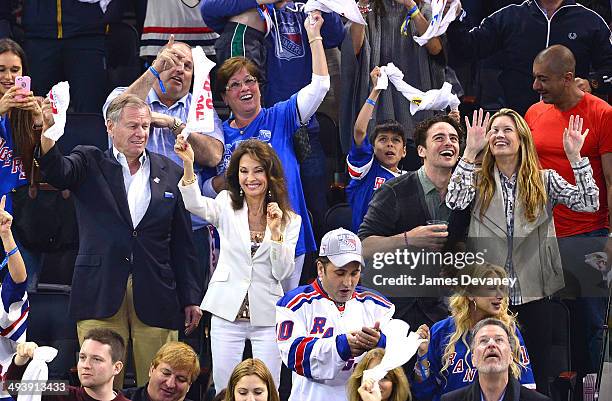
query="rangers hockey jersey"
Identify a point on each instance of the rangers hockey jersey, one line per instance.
(367, 175)
(311, 336)
(460, 373)
(13, 322)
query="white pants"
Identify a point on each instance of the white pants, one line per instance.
(294, 280)
(227, 342)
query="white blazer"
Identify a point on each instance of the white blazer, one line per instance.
(238, 273)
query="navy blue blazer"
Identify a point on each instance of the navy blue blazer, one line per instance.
(159, 253)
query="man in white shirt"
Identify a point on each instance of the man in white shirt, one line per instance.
(134, 272)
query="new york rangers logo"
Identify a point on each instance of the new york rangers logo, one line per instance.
(378, 183)
(347, 243)
(291, 44)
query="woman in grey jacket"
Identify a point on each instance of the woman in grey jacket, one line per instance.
(512, 220)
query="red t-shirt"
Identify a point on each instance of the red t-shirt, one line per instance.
(547, 124)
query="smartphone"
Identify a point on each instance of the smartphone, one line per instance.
(23, 83)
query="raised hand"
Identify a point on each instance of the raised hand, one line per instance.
(313, 24)
(423, 332)
(429, 237)
(477, 135)
(274, 218)
(6, 220)
(374, 75)
(573, 138)
(169, 57)
(184, 150)
(47, 113)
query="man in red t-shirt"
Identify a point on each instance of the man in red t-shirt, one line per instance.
(554, 73)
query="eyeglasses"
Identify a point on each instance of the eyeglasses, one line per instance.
(249, 81)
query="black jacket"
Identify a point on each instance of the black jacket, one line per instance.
(520, 32)
(159, 253)
(514, 392)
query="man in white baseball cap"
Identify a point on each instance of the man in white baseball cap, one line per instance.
(325, 328)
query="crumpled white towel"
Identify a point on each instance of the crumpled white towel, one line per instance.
(439, 23)
(346, 8)
(434, 99)
(400, 347)
(201, 112)
(59, 96)
(37, 370)
(103, 3)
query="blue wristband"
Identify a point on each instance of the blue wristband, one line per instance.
(8, 255)
(156, 74)
(370, 101)
(413, 10)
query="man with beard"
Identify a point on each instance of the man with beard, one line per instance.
(401, 208)
(492, 355)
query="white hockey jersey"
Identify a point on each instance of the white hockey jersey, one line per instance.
(13, 322)
(311, 336)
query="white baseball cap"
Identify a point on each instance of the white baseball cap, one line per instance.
(341, 246)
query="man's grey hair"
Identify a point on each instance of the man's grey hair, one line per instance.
(493, 322)
(115, 108)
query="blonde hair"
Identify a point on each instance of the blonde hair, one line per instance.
(401, 388)
(461, 312)
(179, 356)
(530, 185)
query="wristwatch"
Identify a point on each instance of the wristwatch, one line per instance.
(177, 124)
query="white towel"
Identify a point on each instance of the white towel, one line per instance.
(400, 347)
(37, 370)
(434, 99)
(346, 8)
(201, 112)
(439, 22)
(103, 3)
(59, 96)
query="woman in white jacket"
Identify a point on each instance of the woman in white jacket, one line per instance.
(258, 234)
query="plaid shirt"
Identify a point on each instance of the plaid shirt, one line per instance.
(582, 197)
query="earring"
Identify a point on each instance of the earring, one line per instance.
(475, 307)
(269, 194)
(241, 193)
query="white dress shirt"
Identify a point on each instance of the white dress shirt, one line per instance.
(136, 186)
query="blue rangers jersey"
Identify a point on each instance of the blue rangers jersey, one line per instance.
(367, 175)
(311, 336)
(460, 372)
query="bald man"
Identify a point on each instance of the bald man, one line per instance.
(553, 80)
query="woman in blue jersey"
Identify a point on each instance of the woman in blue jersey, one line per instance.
(20, 120)
(239, 83)
(444, 362)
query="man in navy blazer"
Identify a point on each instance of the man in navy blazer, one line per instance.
(135, 269)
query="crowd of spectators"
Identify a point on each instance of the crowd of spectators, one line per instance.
(222, 232)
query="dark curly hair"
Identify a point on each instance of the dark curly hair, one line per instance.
(420, 131)
(263, 153)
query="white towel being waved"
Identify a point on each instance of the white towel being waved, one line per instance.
(434, 99)
(59, 96)
(400, 347)
(201, 111)
(439, 22)
(38, 371)
(103, 3)
(346, 8)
